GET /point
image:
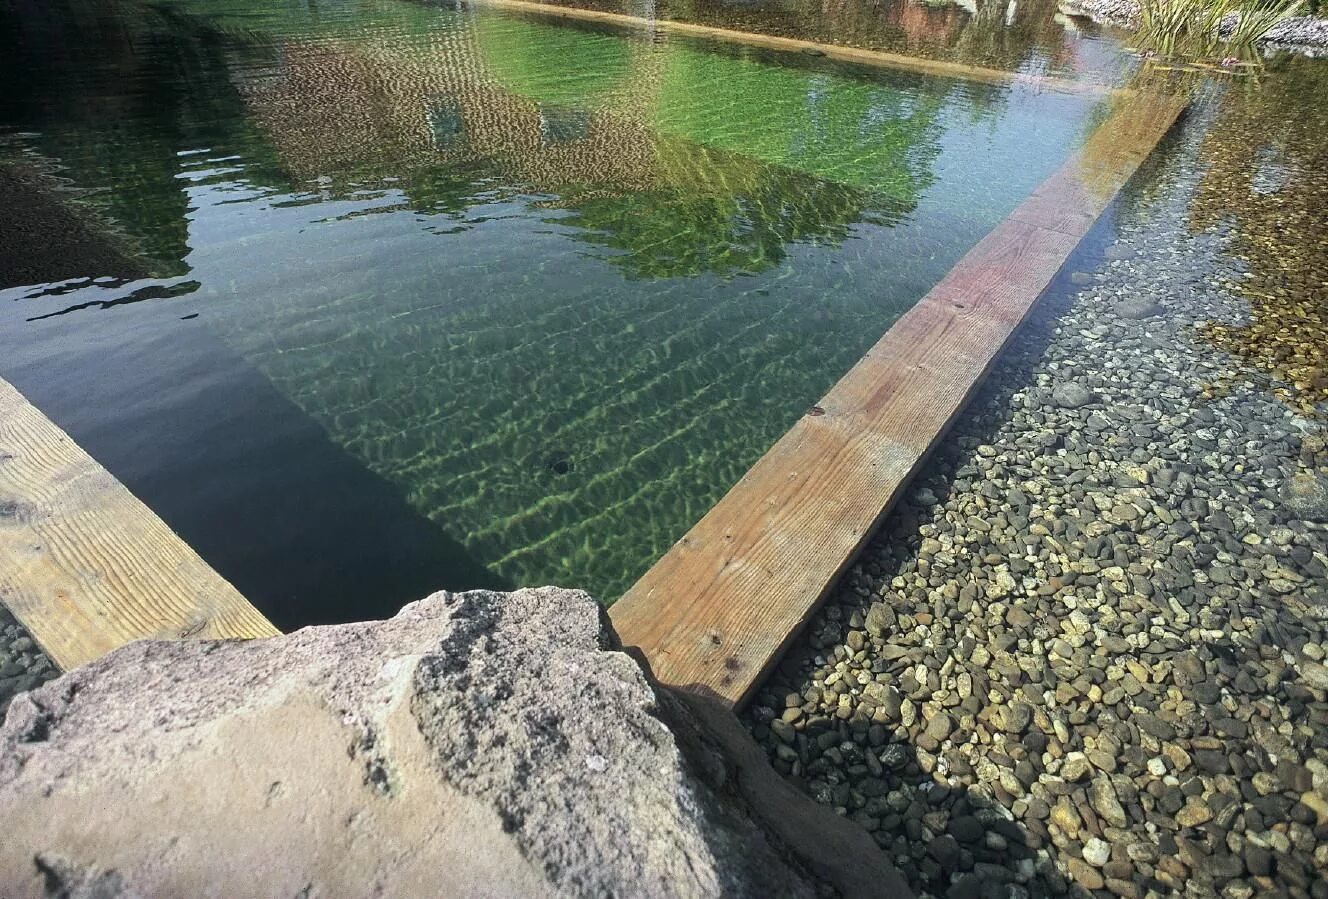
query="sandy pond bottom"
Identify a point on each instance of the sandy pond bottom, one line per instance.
(1086, 655)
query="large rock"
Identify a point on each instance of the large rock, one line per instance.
(477, 744)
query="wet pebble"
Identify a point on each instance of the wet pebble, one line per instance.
(1092, 641)
(23, 666)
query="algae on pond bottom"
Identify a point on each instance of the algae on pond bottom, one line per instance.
(1266, 159)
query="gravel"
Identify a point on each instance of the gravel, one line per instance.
(23, 666)
(1085, 654)
(1120, 13)
(1305, 33)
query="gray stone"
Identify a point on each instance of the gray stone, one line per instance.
(1016, 717)
(880, 620)
(1096, 852)
(1137, 307)
(1102, 796)
(1314, 674)
(945, 850)
(1071, 395)
(940, 726)
(1124, 537)
(1300, 33)
(968, 886)
(1076, 767)
(1194, 813)
(1258, 860)
(1155, 727)
(967, 829)
(783, 729)
(1306, 496)
(1018, 618)
(475, 744)
(1212, 761)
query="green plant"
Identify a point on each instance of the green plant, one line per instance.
(1193, 28)
(1165, 24)
(1256, 21)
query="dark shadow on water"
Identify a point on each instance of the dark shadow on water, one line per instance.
(254, 485)
(151, 292)
(44, 242)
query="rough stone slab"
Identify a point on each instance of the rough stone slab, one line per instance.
(477, 744)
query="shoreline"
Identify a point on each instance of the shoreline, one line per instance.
(1307, 35)
(1088, 654)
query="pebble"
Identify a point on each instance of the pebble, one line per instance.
(1102, 796)
(1193, 813)
(1071, 395)
(1096, 852)
(1084, 874)
(1094, 637)
(1137, 307)
(23, 666)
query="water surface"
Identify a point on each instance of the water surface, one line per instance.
(375, 297)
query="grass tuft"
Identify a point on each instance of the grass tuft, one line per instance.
(1194, 28)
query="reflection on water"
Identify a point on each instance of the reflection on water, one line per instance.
(1027, 36)
(1266, 163)
(558, 286)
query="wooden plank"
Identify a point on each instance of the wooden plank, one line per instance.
(84, 565)
(876, 58)
(716, 612)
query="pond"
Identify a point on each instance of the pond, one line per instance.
(367, 299)
(372, 298)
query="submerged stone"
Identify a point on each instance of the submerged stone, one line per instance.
(1137, 307)
(1071, 395)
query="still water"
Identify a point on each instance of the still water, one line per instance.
(371, 298)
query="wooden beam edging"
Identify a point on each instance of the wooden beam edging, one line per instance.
(717, 611)
(85, 566)
(877, 58)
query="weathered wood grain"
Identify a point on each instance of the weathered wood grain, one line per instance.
(84, 565)
(877, 58)
(720, 607)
